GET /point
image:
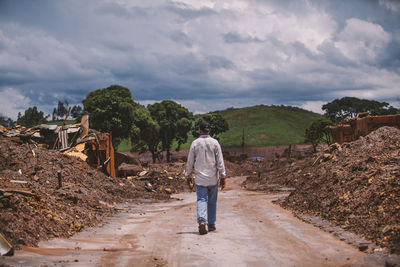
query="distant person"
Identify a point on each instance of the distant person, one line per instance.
(205, 157)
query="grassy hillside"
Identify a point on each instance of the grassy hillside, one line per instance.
(266, 125)
(263, 126)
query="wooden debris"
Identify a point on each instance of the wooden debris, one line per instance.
(25, 192)
(18, 182)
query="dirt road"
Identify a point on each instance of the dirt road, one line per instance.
(251, 231)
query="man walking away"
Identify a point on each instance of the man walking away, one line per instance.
(205, 158)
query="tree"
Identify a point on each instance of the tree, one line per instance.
(318, 133)
(218, 125)
(54, 114)
(398, 100)
(174, 121)
(145, 133)
(111, 110)
(5, 121)
(76, 111)
(349, 107)
(31, 117)
(183, 126)
(61, 110)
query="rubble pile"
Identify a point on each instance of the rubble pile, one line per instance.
(355, 186)
(166, 178)
(235, 169)
(275, 175)
(46, 194)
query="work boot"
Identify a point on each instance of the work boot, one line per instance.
(211, 227)
(202, 228)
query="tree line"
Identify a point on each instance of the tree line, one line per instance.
(32, 116)
(153, 128)
(340, 109)
(156, 127)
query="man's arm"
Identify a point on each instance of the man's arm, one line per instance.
(220, 162)
(190, 161)
(220, 166)
(189, 167)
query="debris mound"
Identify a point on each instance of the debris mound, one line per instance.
(275, 175)
(46, 194)
(356, 186)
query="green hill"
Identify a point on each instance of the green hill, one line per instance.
(263, 126)
(266, 125)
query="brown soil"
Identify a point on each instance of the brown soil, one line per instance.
(355, 186)
(34, 208)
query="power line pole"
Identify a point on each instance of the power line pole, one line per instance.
(243, 142)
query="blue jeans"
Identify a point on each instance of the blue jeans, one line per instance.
(207, 203)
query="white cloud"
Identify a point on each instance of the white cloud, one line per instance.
(196, 4)
(393, 5)
(12, 102)
(362, 41)
(36, 55)
(314, 106)
(147, 102)
(395, 103)
(240, 52)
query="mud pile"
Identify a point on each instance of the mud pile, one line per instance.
(275, 175)
(162, 178)
(355, 186)
(33, 205)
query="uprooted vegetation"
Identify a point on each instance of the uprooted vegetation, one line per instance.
(355, 186)
(35, 207)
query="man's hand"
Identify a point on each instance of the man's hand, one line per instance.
(222, 183)
(190, 182)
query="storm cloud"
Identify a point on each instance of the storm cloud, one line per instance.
(207, 55)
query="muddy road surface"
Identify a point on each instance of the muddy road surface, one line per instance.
(251, 231)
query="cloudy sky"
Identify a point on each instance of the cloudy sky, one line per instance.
(207, 55)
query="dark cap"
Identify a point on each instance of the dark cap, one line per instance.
(204, 126)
